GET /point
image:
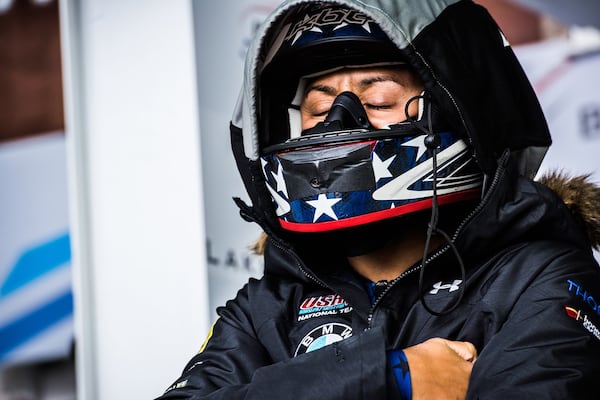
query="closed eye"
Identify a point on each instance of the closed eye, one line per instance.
(321, 114)
(377, 106)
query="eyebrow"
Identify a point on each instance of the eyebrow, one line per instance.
(377, 78)
(320, 88)
(329, 90)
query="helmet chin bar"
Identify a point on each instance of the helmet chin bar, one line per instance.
(343, 174)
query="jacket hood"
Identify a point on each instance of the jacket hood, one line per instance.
(464, 62)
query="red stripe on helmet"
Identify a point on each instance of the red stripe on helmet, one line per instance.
(379, 215)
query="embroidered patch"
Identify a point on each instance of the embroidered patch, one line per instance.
(319, 306)
(322, 336)
(585, 321)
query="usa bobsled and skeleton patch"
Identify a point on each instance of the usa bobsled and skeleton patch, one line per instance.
(320, 306)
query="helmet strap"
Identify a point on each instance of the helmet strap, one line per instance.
(432, 141)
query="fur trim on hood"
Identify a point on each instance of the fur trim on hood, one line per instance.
(582, 197)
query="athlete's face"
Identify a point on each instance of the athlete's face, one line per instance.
(383, 92)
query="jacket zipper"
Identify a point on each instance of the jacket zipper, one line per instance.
(417, 266)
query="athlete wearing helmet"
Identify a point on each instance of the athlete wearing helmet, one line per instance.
(388, 149)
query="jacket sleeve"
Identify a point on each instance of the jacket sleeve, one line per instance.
(234, 364)
(548, 346)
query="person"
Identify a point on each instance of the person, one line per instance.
(388, 151)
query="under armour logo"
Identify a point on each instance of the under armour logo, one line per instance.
(450, 286)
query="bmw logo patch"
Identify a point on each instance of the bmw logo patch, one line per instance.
(322, 336)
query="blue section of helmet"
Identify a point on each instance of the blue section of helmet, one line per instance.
(328, 22)
(352, 204)
(353, 31)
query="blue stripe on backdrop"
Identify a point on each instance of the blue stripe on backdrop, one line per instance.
(20, 331)
(36, 262)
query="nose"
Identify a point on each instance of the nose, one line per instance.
(346, 112)
(347, 108)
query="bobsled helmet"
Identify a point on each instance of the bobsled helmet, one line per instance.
(343, 172)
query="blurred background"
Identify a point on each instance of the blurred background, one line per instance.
(118, 236)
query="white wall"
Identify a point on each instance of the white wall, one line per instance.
(223, 32)
(135, 190)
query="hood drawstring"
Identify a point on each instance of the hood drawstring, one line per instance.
(432, 142)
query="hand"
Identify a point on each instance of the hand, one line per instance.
(440, 368)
